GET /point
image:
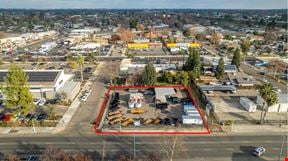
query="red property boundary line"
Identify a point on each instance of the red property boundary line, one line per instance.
(97, 131)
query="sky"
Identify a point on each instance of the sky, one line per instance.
(125, 4)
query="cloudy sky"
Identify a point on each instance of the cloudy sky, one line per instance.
(206, 4)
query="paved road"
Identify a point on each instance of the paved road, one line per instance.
(212, 148)
(255, 73)
(88, 110)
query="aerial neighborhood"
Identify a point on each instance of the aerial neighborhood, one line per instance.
(146, 72)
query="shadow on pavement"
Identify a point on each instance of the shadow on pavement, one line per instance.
(246, 154)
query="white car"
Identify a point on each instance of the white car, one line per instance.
(84, 98)
(42, 102)
(258, 151)
(36, 101)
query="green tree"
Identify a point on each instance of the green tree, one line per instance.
(70, 57)
(236, 58)
(72, 64)
(182, 78)
(193, 63)
(133, 23)
(16, 90)
(90, 58)
(220, 68)
(228, 37)
(80, 62)
(149, 75)
(270, 98)
(30, 26)
(168, 77)
(50, 110)
(1, 61)
(245, 46)
(187, 32)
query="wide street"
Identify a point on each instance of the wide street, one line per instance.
(214, 148)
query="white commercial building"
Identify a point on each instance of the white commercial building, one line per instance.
(48, 83)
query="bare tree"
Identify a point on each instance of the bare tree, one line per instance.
(276, 66)
(12, 157)
(55, 154)
(2, 34)
(140, 27)
(172, 144)
(215, 38)
(124, 158)
(125, 35)
(82, 157)
(152, 157)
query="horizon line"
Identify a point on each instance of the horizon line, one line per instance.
(143, 8)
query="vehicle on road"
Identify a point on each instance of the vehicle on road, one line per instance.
(258, 151)
(84, 98)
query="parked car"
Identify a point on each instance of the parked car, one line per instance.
(258, 151)
(84, 98)
(42, 101)
(2, 115)
(29, 117)
(41, 117)
(36, 101)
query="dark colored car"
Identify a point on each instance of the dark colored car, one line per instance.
(2, 115)
(41, 117)
(29, 116)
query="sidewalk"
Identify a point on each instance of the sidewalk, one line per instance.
(256, 129)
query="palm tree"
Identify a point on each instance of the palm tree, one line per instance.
(270, 98)
(80, 62)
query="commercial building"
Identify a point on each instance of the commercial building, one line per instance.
(48, 83)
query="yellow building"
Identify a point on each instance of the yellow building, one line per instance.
(138, 46)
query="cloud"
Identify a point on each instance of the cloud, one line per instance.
(207, 4)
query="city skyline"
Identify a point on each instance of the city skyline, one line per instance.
(144, 4)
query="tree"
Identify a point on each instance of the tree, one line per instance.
(16, 90)
(187, 32)
(149, 75)
(152, 157)
(168, 77)
(2, 34)
(228, 37)
(12, 158)
(72, 64)
(82, 157)
(51, 112)
(215, 38)
(91, 58)
(236, 58)
(182, 78)
(52, 153)
(220, 69)
(245, 46)
(140, 27)
(270, 98)
(193, 63)
(171, 145)
(125, 35)
(80, 62)
(133, 23)
(30, 26)
(1, 61)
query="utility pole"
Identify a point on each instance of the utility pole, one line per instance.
(134, 156)
(103, 149)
